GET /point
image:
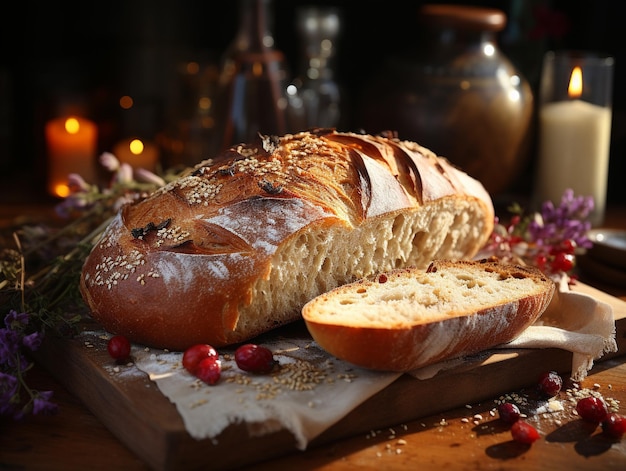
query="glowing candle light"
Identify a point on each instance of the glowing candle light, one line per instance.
(71, 143)
(137, 153)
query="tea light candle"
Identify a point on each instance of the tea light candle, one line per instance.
(137, 154)
(574, 142)
(71, 143)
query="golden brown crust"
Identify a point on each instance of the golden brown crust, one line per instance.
(181, 266)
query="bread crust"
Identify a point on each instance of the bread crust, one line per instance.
(202, 259)
(426, 340)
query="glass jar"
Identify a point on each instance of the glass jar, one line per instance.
(458, 95)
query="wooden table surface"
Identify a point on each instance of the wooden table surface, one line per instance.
(469, 437)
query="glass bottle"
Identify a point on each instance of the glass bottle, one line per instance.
(315, 88)
(252, 89)
(458, 95)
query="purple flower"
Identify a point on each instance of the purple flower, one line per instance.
(33, 341)
(75, 201)
(14, 319)
(8, 388)
(77, 183)
(109, 161)
(149, 177)
(42, 404)
(125, 174)
(9, 347)
(566, 221)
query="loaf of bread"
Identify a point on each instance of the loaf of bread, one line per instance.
(409, 318)
(237, 245)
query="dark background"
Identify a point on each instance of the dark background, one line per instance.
(60, 54)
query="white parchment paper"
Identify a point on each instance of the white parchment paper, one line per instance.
(306, 393)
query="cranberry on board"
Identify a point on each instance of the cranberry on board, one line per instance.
(592, 409)
(195, 354)
(254, 358)
(209, 370)
(523, 432)
(118, 347)
(614, 425)
(550, 383)
(509, 412)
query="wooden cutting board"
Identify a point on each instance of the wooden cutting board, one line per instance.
(134, 409)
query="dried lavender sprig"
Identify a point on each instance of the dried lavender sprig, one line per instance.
(52, 287)
(566, 221)
(15, 339)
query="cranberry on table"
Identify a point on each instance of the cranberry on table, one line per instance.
(550, 383)
(592, 409)
(118, 347)
(195, 354)
(509, 413)
(523, 432)
(614, 425)
(254, 358)
(209, 370)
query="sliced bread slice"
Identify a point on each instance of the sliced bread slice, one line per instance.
(404, 319)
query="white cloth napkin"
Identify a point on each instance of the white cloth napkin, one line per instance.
(582, 325)
(310, 390)
(577, 323)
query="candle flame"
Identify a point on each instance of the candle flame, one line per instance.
(575, 88)
(62, 190)
(72, 126)
(136, 146)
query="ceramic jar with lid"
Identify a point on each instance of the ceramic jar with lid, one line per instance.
(457, 94)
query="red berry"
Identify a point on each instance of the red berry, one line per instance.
(569, 246)
(550, 383)
(119, 347)
(209, 370)
(509, 413)
(254, 358)
(541, 261)
(523, 432)
(614, 425)
(563, 262)
(195, 354)
(592, 409)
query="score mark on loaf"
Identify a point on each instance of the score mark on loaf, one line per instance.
(237, 245)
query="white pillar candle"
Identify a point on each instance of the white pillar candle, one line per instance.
(574, 143)
(574, 129)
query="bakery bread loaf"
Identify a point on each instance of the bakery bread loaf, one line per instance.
(237, 245)
(409, 318)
